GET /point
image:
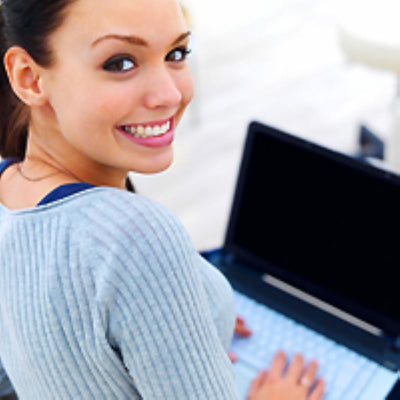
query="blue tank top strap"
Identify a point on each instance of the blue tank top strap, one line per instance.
(57, 193)
(6, 163)
(64, 191)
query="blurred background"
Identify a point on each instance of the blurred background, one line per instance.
(275, 61)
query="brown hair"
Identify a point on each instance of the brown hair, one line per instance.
(24, 23)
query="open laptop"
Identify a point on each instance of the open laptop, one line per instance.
(312, 243)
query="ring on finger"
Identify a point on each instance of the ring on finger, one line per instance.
(304, 381)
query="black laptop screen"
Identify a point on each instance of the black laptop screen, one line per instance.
(322, 222)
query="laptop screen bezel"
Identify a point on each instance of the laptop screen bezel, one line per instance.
(384, 322)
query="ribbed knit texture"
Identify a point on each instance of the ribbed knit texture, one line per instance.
(102, 296)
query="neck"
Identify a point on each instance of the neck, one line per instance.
(41, 160)
(37, 166)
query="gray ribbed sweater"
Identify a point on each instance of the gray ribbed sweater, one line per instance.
(102, 296)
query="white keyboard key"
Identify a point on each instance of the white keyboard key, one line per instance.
(345, 372)
(379, 384)
(244, 375)
(353, 391)
(345, 375)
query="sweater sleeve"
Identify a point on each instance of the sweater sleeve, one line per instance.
(220, 299)
(159, 319)
(6, 388)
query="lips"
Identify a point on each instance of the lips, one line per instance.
(147, 130)
(153, 134)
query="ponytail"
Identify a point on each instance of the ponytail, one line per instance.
(14, 115)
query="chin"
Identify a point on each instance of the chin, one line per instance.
(155, 170)
(155, 166)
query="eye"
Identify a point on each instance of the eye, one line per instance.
(179, 54)
(120, 63)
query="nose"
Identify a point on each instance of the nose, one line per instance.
(162, 89)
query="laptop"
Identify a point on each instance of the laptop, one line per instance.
(312, 243)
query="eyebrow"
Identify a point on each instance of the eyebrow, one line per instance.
(137, 41)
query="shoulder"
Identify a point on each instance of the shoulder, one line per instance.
(134, 248)
(127, 231)
(108, 209)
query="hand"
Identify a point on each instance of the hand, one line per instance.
(240, 330)
(297, 384)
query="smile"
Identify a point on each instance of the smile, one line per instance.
(155, 134)
(147, 130)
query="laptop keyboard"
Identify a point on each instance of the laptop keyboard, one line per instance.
(345, 372)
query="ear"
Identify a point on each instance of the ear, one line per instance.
(24, 75)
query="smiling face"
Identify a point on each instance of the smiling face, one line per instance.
(118, 88)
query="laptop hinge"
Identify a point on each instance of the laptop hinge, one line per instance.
(293, 291)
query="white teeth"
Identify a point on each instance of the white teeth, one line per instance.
(165, 127)
(147, 131)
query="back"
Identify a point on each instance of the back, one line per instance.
(52, 327)
(103, 296)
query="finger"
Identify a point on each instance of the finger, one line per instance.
(295, 368)
(242, 330)
(308, 376)
(256, 384)
(232, 356)
(318, 391)
(240, 327)
(277, 366)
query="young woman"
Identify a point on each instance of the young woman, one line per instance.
(102, 295)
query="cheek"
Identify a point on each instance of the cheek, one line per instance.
(186, 87)
(111, 99)
(102, 106)
(108, 106)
